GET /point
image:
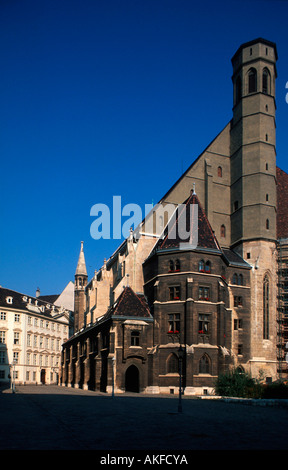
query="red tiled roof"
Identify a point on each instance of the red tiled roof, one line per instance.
(206, 236)
(130, 304)
(282, 203)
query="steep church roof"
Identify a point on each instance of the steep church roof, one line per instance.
(81, 266)
(130, 304)
(173, 235)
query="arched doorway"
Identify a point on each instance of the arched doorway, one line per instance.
(132, 379)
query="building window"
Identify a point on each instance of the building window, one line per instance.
(177, 265)
(174, 323)
(135, 336)
(172, 364)
(204, 293)
(219, 171)
(238, 279)
(2, 337)
(207, 267)
(171, 265)
(238, 302)
(2, 315)
(252, 81)
(17, 317)
(223, 231)
(16, 337)
(203, 324)
(240, 349)
(201, 266)
(266, 308)
(174, 293)
(267, 197)
(267, 224)
(204, 365)
(2, 357)
(266, 81)
(238, 324)
(15, 357)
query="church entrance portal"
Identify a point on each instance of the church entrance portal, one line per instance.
(132, 379)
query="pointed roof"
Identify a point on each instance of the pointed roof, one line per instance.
(81, 266)
(173, 233)
(129, 304)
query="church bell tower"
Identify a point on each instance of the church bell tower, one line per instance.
(79, 291)
(253, 153)
(253, 191)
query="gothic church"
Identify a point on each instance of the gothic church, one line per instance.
(220, 305)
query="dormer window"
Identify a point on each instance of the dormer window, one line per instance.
(9, 300)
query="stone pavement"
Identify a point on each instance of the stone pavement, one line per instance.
(60, 418)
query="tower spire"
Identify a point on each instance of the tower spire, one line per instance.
(81, 266)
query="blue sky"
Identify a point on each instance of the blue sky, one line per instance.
(105, 98)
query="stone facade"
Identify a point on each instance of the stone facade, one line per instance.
(223, 314)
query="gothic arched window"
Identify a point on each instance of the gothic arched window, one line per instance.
(201, 266)
(172, 364)
(252, 81)
(171, 265)
(204, 365)
(266, 81)
(219, 171)
(266, 308)
(240, 280)
(207, 267)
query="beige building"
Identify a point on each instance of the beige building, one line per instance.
(32, 332)
(243, 195)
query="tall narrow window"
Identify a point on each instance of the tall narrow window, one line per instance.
(252, 81)
(267, 224)
(266, 308)
(207, 267)
(201, 266)
(174, 323)
(266, 81)
(219, 171)
(223, 231)
(204, 365)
